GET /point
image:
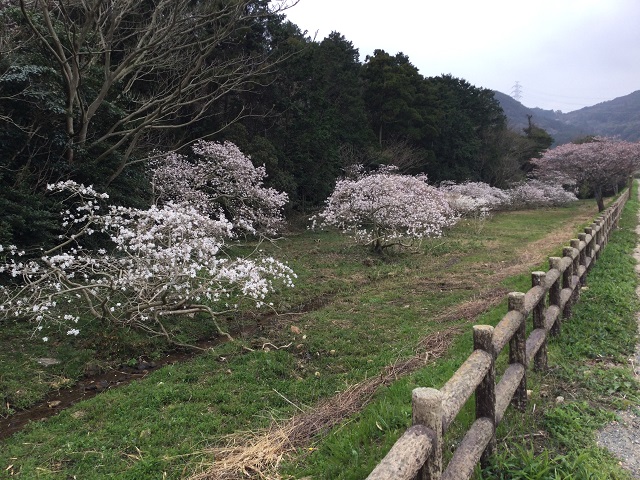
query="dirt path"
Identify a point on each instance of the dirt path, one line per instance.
(622, 438)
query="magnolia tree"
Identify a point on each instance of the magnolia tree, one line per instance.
(384, 208)
(474, 199)
(167, 260)
(599, 164)
(477, 199)
(536, 193)
(221, 181)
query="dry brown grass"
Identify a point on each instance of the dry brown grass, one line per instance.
(470, 309)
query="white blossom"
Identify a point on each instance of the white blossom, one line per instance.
(537, 193)
(163, 260)
(385, 208)
(223, 182)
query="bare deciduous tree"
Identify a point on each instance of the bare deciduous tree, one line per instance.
(166, 61)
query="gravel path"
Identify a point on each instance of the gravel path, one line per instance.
(622, 438)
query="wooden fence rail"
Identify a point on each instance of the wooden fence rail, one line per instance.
(418, 452)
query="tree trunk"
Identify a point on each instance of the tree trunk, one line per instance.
(599, 199)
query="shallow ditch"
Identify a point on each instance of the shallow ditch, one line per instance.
(91, 385)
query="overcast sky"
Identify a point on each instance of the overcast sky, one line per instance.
(565, 54)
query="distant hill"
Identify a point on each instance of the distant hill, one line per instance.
(618, 117)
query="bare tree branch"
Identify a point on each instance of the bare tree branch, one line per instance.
(168, 64)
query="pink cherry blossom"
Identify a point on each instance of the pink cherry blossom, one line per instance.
(596, 165)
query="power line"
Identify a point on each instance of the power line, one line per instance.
(539, 94)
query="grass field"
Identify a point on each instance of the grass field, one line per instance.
(337, 358)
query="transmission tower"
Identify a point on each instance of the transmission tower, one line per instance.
(516, 93)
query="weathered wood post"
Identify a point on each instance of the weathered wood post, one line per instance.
(486, 391)
(540, 359)
(518, 349)
(599, 229)
(602, 222)
(567, 282)
(590, 231)
(427, 409)
(582, 255)
(575, 244)
(554, 294)
(616, 216)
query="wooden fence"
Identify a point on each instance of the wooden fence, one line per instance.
(418, 452)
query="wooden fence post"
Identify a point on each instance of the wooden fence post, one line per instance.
(601, 240)
(427, 410)
(575, 244)
(567, 282)
(616, 216)
(554, 294)
(599, 228)
(590, 246)
(486, 391)
(607, 229)
(540, 359)
(582, 238)
(518, 349)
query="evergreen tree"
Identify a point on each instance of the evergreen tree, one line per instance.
(468, 119)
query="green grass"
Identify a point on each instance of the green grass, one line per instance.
(352, 452)
(589, 369)
(357, 313)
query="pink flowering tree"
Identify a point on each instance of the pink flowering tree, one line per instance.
(164, 261)
(384, 208)
(221, 181)
(598, 164)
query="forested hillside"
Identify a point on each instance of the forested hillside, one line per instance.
(619, 117)
(92, 94)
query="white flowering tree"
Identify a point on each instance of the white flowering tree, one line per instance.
(477, 199)
(537, 193)
(167, 260)
(474, 199)
(221, 181)
(384, 208)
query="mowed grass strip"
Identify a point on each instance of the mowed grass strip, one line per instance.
(350, 316)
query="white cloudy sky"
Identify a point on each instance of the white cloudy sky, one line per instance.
(566, 54)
